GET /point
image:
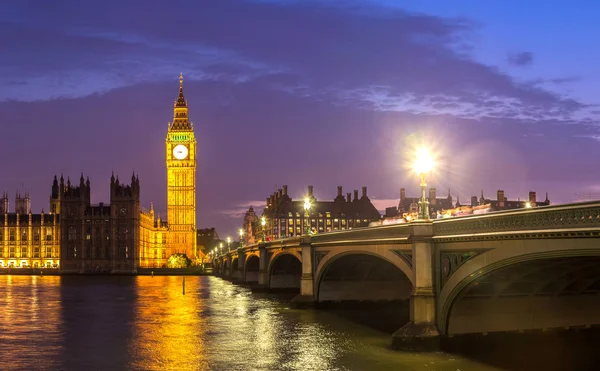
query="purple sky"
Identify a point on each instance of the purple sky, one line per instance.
(302, 92)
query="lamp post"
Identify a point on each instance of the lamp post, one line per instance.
(220, 248)
(241, 233)
(228, 244)
(423, 164)
(307, 206)
(263, 223)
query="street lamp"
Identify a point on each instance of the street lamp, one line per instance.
(307, 206)
(263, 223)
(423, 164)
(241, 232)
(220, 248)
(228, 243)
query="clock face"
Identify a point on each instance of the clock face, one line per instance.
(123, 211)
(180, 152)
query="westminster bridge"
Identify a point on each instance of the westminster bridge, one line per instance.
(518, 270)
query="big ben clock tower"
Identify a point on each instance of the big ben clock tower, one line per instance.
(181, 180)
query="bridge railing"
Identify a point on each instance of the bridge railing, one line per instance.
(569, 216)
(574, 216)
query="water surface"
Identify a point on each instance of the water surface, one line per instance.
(145, 323)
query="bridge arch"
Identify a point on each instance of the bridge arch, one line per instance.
(360, 274)
(251, 268)
(285, 270)
(533, 284)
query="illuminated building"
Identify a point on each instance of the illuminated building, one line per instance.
(114, 237)
(287, 218)
(26, 239)
(159, 240)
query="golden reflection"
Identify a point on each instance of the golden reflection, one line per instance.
(30, 305)
(169, 327)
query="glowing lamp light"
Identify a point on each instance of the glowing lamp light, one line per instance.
(241, 232)
(423, 162)
(263, 221)
(307, 204)
(527, 205)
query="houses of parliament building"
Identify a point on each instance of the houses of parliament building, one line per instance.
(78, 236)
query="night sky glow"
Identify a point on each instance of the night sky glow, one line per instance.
(304, 92)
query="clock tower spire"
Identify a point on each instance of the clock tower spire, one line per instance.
(181, 180)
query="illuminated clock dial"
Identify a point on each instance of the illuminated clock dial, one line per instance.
(180, 152)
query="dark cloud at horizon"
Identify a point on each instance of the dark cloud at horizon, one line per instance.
(279, 94)
(520, 59)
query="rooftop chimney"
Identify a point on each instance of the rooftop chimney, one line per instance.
(500, 198)
(348, 197)
(474, 201)
(402, 194)
(356, 195)
(532, 198)
(340, 191)
(310, 191)
(432, 196)
(364, 192)
(285, 190)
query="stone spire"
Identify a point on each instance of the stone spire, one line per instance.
(180, 102)
(180, 111)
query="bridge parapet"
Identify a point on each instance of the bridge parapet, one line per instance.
(579, 215)
(397, 233)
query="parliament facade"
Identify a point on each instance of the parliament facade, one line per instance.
(78, 236)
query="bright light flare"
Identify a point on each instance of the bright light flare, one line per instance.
(527, 205)
(263, 221)
(424, 161)
(307, 204)
(241, 232)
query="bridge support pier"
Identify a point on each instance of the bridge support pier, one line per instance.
(306, 298)
(263, 274)
(421, 333)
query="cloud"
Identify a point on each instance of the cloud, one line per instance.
(353, 54)
(239, 210)
(521, 59)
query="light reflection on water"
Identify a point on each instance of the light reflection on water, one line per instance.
(145, 323)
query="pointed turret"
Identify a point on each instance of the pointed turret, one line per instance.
(180, 111)
(180, 102)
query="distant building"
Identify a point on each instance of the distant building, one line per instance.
(502, 203)
(409, 205)
(102, 237)
(207, 239)
(287, 218)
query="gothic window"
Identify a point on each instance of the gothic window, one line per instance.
(36, 235)
(72, 233)
(24, 234)
(11, 235)
(1, 235)
(48, 234)
(36, 252)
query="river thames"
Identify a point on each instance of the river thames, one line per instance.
(145, 323)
